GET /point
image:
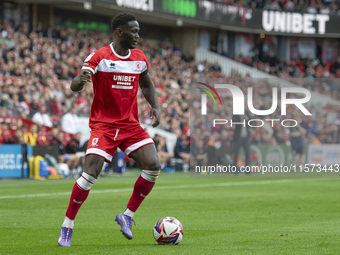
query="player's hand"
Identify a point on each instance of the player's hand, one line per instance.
(155, 113)
(85, 77)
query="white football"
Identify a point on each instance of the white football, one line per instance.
(168, 230)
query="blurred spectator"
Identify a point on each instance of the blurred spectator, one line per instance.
(6, 133)
(225, 151)
(72, 160)
(241, 138)
(57, 140)
(17, 137)
(163, 154)
(70, 121)
(56, 107)
(31, 135)
(42, 117)
(199, 153)
(182, 149)
(297, 134)
(73, 146)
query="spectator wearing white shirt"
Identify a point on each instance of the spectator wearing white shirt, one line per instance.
(70, 121)
(41, 117)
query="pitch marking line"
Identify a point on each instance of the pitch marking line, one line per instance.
(206, 185)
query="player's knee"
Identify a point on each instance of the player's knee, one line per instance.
(153, 166)
(93, 165)
(150, 175)
(156, 166)
(85, 181)
(92, 173)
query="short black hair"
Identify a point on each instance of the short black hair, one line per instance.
(122, 19)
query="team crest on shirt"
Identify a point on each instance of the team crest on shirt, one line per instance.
(95, 142)
(138, 67)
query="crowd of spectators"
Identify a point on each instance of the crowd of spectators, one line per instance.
(36, 69)
(35, 75)
(322, 127)
(304, 6)
(310, 71)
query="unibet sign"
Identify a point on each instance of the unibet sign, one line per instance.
(287, 22)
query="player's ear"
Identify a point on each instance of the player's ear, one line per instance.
(119, 31)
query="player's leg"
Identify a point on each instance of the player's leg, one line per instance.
(147, 158)
(80, 191)
(100, 147)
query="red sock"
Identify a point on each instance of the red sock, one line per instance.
(78, 197)
(141, 189)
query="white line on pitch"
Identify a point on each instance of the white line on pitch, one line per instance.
(206, 185)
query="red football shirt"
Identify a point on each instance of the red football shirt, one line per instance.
(115, 85)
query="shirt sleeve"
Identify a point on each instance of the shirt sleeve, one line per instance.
(145, 64)
(91, 62)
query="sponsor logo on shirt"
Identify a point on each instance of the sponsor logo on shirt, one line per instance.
(123, 81)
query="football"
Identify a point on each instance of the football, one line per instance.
(168, 230)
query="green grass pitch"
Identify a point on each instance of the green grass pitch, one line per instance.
(219, 216)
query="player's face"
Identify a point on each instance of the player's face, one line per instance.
(130, 35)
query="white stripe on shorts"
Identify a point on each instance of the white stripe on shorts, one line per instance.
(99, 152)
(136, 146)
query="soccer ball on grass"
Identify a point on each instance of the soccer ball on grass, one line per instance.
(168, 230)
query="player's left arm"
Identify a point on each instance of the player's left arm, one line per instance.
(149, 92)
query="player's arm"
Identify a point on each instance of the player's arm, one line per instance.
(80, 80)
(149, 92)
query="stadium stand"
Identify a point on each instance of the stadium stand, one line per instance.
(324, 6)
(37, 63)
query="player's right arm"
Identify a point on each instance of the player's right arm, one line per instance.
(88, 69)
(80, 81)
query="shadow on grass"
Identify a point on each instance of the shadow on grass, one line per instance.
(150, 245)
